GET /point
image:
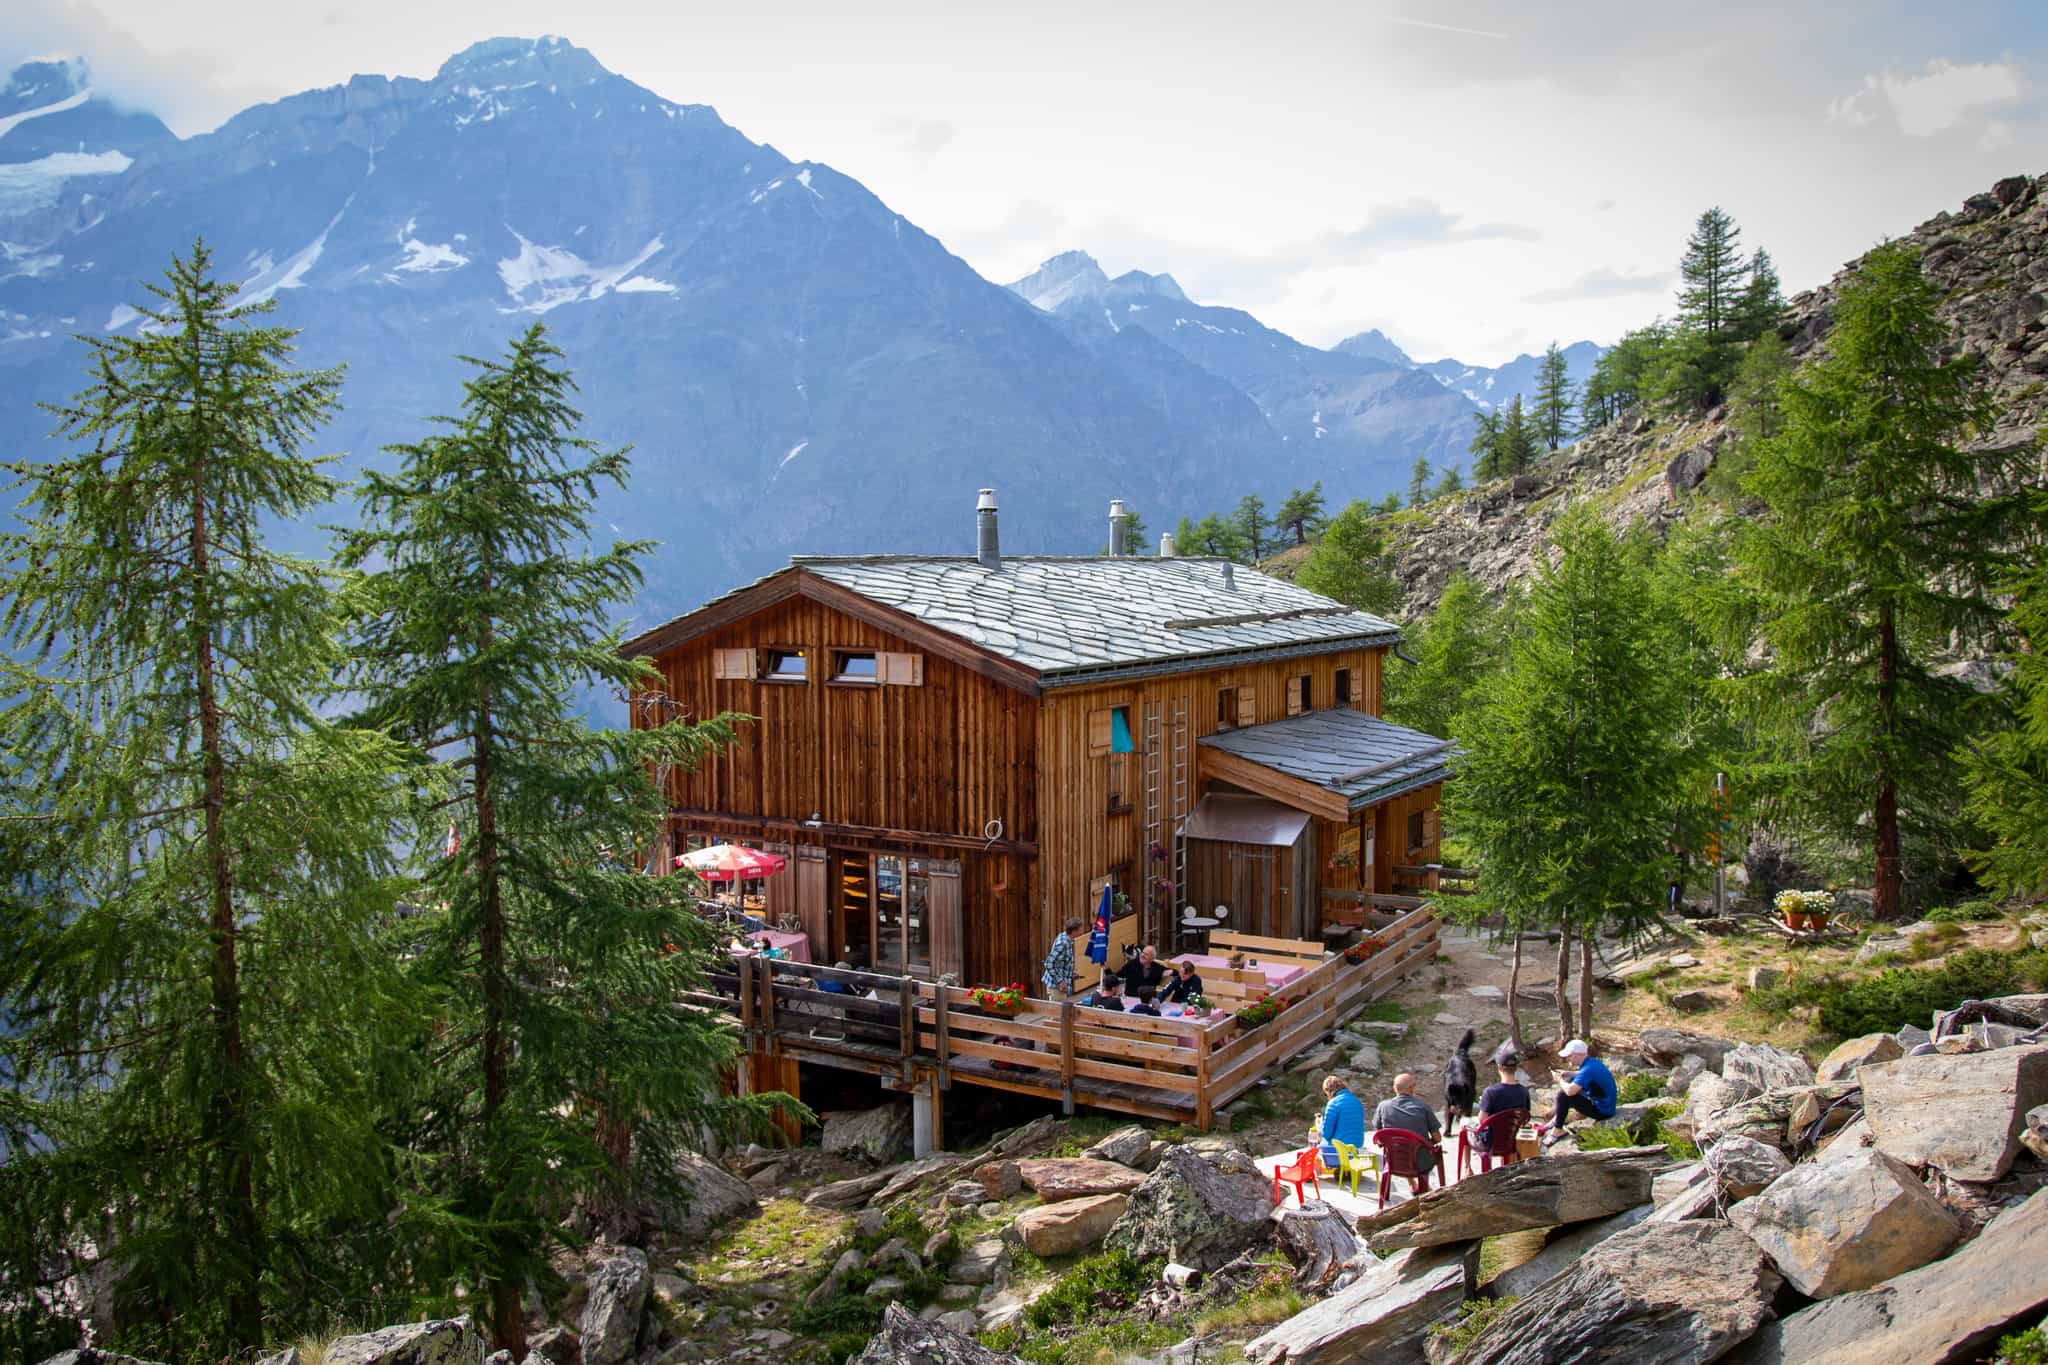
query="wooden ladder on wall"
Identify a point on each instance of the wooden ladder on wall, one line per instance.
(1153, 925)
(1177, 722)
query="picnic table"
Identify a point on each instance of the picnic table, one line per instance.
(1279, 974)
(798, 946)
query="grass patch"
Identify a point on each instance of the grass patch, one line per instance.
(1103, 1343)
(1382, 1012)
(1640, 1086)
(1651, 1129)
(1964, 912)
(840, 1325)
(2023, 1348)
(1899, 996)
(1084, 1131)
(1080, 1320)
(1262, 1307)
(1092, 1286)
(1474, 1317)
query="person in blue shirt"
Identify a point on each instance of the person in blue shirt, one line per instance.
(1343, 1119)
(1589, 1090)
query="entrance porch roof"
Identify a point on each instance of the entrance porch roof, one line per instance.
(1330, 763)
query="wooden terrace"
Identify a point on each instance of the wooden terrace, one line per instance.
(920, 1037)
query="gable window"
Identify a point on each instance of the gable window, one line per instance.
(1109, 731)
(1418, 831)
(1226, 708)
(1343, 687)
(783, 665)
(855, 666)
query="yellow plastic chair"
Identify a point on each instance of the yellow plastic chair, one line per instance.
(1351, 1165)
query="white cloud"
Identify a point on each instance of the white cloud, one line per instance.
(1946, 94)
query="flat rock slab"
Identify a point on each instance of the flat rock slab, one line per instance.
(1766, 1067)
(1571, 1187)
(1948, 1311)
(1745, 1166)
(1871, 1049)
(1668, 1046)
(905, 1339)
(1563, 1251)
(1654, 1294)
(1835, 1226)
(1963, 1114)
(1381, 1317)
(1075, 1177)
(1070, 1225)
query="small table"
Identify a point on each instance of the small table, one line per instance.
(1277, 974)
(1198, 924)
(798, 946)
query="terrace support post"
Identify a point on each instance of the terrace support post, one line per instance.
(924, 1120)
(942, 1078)
(1205, 1113)
(906, 1023)
(1067, 1058)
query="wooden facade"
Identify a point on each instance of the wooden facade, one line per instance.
(907, 763)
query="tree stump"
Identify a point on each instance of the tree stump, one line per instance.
(1317, 1239)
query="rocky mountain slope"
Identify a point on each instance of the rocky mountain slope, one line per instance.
(1990, 259)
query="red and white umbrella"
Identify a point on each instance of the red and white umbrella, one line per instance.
(731, 862)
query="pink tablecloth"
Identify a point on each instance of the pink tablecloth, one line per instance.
(1278, 973)
(797, 945)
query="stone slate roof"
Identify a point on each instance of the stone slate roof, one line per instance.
(1073, 618)
(1334, 750)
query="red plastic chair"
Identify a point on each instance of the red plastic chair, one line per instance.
(1303, 1167)
(1493, 1137)
(1408, 1156)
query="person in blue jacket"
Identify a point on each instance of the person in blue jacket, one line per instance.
(1589, 1090)
(1343, 1119)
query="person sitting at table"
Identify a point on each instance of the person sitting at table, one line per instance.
(767, 949)
(1343, 1119)
(1144, 970)
(1589, 1090)
(1145, 1005)
(1109, 993)
(1406, 1112)
(1183, 985)
(832, 984)
(1508, 1092)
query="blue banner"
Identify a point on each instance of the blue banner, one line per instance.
(1098, 942)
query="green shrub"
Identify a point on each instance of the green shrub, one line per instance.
(842, 1324)
(2023, 1348)
(1474, 1317)
(1092, 1287)
(1642, 1085)
(1964, 912)
(1899, 996)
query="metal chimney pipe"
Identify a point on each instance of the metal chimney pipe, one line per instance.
(1119, 545)
(987, 548)
(1166, 545)
(1229, 576)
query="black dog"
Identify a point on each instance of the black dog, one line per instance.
(1461, 1082)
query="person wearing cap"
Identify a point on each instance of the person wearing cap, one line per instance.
(1589, 1090)
(1508, 1092)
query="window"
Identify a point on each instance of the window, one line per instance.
(783, 665)
(1226, 708)
(1109, 731)
(903, 921)
(1418, 831)
(1343, 687)
(855, 666)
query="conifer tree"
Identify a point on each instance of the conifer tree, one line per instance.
(1349, 563)
(1763, 301)
(1554, 398)
(2008, 770)
(1250, 524)
(1455, 648)
(1883, 540)
(1418, 482)
(1301, 512)
(1565, 795)
(1713, 274)
(555, 960)
(1517, 444)
(1488, 456)
(1452, 481)
(198, 1032)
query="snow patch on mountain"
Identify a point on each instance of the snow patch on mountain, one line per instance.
(427, 257)
(541, 278)
(643, 284)
(9, 123)
(121, 317)
(1069, 275)
(27, 186)
(19, 262)
(292, 274)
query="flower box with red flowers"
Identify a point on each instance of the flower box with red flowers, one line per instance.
(1005, 1000)
(1259, 1011)
(1365, 948)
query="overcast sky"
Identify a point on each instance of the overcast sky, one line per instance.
(1474, 177)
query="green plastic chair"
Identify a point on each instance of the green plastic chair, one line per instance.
(1351, 1164)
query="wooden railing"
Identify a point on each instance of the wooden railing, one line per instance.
(914, 1031)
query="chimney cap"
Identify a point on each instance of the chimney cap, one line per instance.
(1116, 508)
(1166, 546)
(986, 502)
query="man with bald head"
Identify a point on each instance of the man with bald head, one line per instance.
(1406, 1112)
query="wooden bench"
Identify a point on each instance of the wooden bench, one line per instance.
(1251, 945)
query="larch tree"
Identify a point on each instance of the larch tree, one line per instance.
(200, 1030)
(566, 1075)
(1884, 538)
(1713, 275)
(1566, 793)
(1250, 523)
(1418, 482)
(1485, 449)
(1455, 647)
(1517, 444)
(1301, 512)
(1555, 398)
(1453, 481)
(1349, 563)
(2007, 770)
(1762, 305)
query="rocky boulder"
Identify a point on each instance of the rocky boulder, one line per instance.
(92, 1355)
(1963, 1114)
(704, 1196)
(906, 1339)
(1068, 1226)
(986, 1261)
(1745, 1167)
(1951, 1310)
(1056, 1178)
(1669, 1046)
(1194, 1211)
(1843, 1063)
(444, 1341)
(1673, 1292)
(1708, 1096)
(1560, 1253)
(1126, 1146)
(1836, 1226)
(1766, 1067)
(1780, 1118)
(611, 1314)
(999, 1179)
(880, 1136)
(1563, 1187)
(848, 1194)
(1381, 1316)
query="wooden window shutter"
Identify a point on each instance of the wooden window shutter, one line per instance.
(1098, 732)
(1247, 706)
(779, 893)
(810, 902)
(902, 670)
(732, 663)
(943, 904)
(1430, 825)
(1294, 696)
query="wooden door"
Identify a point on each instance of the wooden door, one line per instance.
(943, 905)
(778, 893)
(809, 872)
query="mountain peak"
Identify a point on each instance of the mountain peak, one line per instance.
(1069, 275)
(499, 62)
(1374, 345)
(43, 84)
(1138, 282)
